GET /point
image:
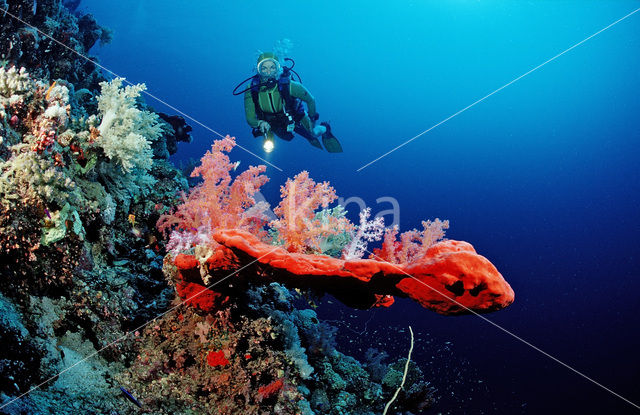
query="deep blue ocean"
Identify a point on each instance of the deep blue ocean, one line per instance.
(541, 177)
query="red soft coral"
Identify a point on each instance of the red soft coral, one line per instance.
(219, 201)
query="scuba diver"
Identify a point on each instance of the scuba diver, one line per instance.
(273, 105)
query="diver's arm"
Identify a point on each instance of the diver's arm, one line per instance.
(250, 110)
(299, 91)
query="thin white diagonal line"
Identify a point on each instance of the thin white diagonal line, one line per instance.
(144, 92)
(136, 329)
(497, 90)
(515, 336)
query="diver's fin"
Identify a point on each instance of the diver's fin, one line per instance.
(315, 142)
(330, 142)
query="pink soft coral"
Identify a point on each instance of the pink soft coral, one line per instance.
(413, 244)
(219, 201)
(298, 226)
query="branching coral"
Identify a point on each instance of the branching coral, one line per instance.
(298, 228)
(413, 244)
(220, 201)
(126, 132)
(368, 231)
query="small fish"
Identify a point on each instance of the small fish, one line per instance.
(235, 165)
(47, 212)
(130, 397)
(132, 219)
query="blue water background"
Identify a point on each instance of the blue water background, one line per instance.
(542, 177)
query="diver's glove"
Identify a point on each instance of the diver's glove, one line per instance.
(263, 126)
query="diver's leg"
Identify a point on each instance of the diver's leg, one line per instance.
(282, 133)
(316, 130)
(304, 128)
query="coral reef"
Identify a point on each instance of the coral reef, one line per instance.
(219, 234)
(83, 266)
(100, 314)
(48, 39)
(258, 356)
(81, 263)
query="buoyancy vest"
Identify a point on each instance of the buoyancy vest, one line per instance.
(292, 107)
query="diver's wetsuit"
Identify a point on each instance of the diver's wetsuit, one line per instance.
(272, 106)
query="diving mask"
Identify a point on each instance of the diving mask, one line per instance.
(269, 68)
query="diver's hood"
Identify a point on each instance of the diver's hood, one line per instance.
(267, 58)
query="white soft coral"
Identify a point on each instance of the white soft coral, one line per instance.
(367, 231)
(15, 86)
(126, 132)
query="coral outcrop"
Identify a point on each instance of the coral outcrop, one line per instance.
(84, 275)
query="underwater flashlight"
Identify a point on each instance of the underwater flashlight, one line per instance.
(268, 145)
